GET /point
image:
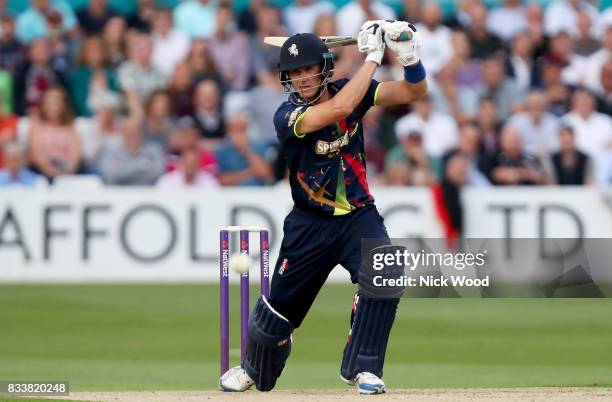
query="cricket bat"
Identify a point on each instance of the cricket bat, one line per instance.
(330, 41)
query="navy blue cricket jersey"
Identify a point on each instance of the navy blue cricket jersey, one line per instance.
(327, 168)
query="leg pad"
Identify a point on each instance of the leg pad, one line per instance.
(269, 345)
(367, 343)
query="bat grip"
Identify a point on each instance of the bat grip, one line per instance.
(405, 36)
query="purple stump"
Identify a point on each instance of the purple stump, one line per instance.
(264, 262)
(224, 298)
(244, 297)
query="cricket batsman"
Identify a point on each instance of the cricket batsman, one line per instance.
(320, 132)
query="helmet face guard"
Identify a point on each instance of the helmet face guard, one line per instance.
(300, 51)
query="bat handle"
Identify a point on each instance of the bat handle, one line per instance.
(405, 36)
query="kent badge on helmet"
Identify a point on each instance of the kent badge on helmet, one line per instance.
(305, 50)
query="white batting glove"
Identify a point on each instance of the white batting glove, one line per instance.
(407, 50)
(393, 29)
(370, 41)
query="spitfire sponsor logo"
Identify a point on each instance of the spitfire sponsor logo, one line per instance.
(332, 148)
(324, 147)
(294, 115)
(293, 50)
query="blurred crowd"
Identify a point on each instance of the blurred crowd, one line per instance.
(520, 92)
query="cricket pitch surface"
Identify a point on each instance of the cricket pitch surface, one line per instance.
(452, 394)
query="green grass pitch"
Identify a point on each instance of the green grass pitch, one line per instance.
(166, 337)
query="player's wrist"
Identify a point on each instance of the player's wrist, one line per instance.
(375, 56)
(414, 73)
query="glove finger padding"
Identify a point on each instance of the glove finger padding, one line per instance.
(394, 29)
(370, 41)
(407, 51)
(370, 37)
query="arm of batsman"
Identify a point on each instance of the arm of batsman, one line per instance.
(407, 50)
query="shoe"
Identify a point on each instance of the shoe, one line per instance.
(235, 380)
(346, 381)
(369, 384)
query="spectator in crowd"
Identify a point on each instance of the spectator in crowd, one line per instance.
(157, 125)
(54, 145)
(207, 113)
(561, 46)
(264, 57)
(483, 42)
(397, 175)
(186, 136)
(456, 176)
(535, 29)
(372, 133)
(138, 77)
(461, 18)
(302, 14)
(439, 130)
(229, 49)
(325, 25)
(557, 92)
(142, 20)
(101, 128)
(36, 20)
(593, 65)
(196, 18)
(570, 166)
(604, 100)
(502, 89)
(131, 161)
(411, 11)
(8, 130)
(458, 80)
(520, 63)
(408, 162)
(538, 128)
(263, 100)
(178, 83)
(489, 126)
(170, 46)
(201, 62)
(436, 48)
(114, 40)
(188, 174)
(16, 173)
(468, 146)
(247, 20)
(350, 17)
(508, 20)
(593, 130)
(11, 50)
(242, 162)
(348, 60)
(92, 76)
(585, 44)
(180, 90)
(563, 15)
(94, 16)
(34, 78)
(514, 166)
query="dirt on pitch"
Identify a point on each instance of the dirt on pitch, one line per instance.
(458, 395)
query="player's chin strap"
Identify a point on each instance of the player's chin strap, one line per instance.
(295, 97)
